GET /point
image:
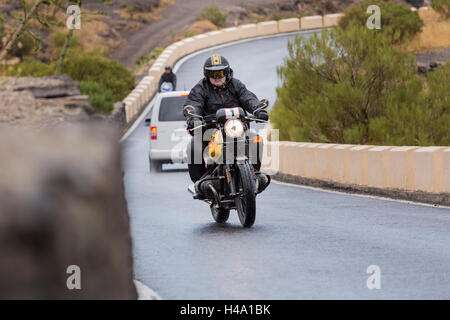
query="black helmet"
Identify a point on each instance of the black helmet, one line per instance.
(217, 66)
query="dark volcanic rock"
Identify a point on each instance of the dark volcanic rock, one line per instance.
(62, 203)
(45, 87)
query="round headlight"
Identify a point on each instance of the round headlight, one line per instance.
(234, 128)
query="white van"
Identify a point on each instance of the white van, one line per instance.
(168, 134)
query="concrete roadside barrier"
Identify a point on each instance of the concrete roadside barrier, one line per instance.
(287, 161)
(358, 168)
(446, 170)
(428, 168)
(247, 31)
(288, 25)
(313, 22)
(300, 158)
(180, 48)
(330, 20)
(401, 168)
(266, 28)
(201, 41)
(340, 162)
(324, 161)
(230, 34)
(189, 45)
(215, 38)
(156, 71)
(310, 156)
(378, 166)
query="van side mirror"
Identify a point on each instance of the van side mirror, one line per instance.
(147, 122)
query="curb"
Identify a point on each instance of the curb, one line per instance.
(437, 199)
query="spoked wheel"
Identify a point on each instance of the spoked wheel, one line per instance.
(245, 202)
(219, 214)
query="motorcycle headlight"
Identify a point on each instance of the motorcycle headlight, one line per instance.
(234, 128)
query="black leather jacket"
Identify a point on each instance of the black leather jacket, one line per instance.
(207, 98)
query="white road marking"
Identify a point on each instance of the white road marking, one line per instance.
(359, 195)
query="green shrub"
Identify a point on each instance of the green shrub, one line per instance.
(30, 67)
(188, 33)
(336, 84)
(92, 66)
(214, 15)
(108, 3)
(24, 46)
(100, 97)
(154, 54)
(415, 116)
(59, 38)
(442, 6)
(397, 20)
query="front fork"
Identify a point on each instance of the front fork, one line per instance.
(229, 179)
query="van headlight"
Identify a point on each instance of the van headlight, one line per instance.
(234, 128)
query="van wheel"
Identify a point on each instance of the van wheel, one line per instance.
(155, 165)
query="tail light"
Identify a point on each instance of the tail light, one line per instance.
(153, 133)
(257, 139)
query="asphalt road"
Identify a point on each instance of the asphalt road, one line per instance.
(305, 244)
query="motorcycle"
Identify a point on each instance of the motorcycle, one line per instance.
(166, 87)
(231, 181)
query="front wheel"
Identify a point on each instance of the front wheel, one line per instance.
(245, 202)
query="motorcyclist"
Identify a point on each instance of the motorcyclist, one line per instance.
(218, 89)
(168, 76)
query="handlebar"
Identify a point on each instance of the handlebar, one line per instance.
(211, 119)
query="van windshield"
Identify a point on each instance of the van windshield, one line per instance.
(171, 109)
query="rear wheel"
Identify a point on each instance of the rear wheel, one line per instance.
(220, 215)
(245, 202)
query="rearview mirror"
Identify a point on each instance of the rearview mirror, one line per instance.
(263, 104)
(188, 110)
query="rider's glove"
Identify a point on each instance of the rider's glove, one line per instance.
(190, 123)
(262, 115)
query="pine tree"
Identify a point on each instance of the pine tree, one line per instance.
(336, 83)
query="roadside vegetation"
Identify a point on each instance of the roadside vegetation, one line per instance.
(435, 33)
(26, 54)
(213, 14)
(359, 86)
(442, 7)
(398, 22)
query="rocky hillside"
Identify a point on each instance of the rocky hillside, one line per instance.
(40, 101)
(46, 101)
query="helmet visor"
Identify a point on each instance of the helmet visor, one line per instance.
(217, 74)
